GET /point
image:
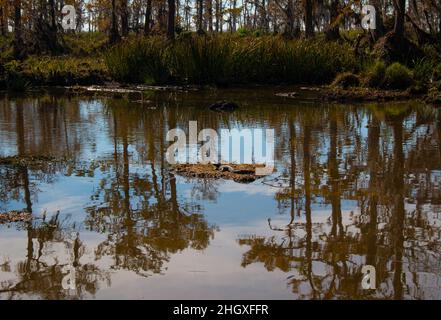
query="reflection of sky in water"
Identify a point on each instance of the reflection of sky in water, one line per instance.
(212, 273)
(238, 210)
(236, 205)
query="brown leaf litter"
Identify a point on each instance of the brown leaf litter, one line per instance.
(14, 216)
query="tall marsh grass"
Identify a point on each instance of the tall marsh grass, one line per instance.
(228, 59)
(201, 60)
(138, 61)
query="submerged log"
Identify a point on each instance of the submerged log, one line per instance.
(224, 106)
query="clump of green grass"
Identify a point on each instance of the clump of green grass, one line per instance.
(242, 31)
(200, 60)
(229, 59)
(5, 48)
(346, 80)
(63, 70)
(85, 43)
(275, 60)
(434, 94)
(14, 78)
(138, 61)
(397, 76)
(374, 77)
(424, 70)
(437, 72)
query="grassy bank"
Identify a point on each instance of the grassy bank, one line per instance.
(228, 60)
(393, 80)
(82, 62)
(190, 59)
(222, 60)
(52, 71)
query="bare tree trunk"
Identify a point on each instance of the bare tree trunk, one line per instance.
(309, 26)
(52, 41)
(3, 22)
(178, 14)
(333, 31)
(400, 10)
(80, 19)
(210, 15)
(379, 25)
(200, 4)
(148, 14)
(135, 19)
(234, 16)
(18, 41)
(161, 16)
(53, 23)
(187, 14)
(263, 17)
(290, 21)
(171, 19)
(218, 14)
(114, 35)
(124, 18)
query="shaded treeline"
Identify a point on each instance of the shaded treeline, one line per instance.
(37, 24)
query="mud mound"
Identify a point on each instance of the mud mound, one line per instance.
(365, 95)
(242, 173)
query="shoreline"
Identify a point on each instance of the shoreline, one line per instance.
(358, 95)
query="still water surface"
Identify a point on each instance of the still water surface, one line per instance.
(354, 185)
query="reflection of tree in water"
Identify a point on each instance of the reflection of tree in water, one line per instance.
(389, 232)
(41, 272)
(141, 212)
(205, 189)
(385, 160)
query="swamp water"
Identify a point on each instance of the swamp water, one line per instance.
(354, 185)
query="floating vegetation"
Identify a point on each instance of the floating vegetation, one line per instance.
(27, 160)
(15, 216)
(243, 173)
